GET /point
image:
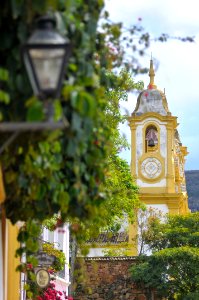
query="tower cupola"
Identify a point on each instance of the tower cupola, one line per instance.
(152, 99)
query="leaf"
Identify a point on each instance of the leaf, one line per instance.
(56, 147)
(57, 110)
(73, 67)
(35, 112)
(41, 191)
(4, 97)
(10, 177)
(4, 75)
(63, 199)
(23, 236)
(29, 294)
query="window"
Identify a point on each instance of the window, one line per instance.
(151, 139)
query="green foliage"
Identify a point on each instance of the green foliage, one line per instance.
(118, 209)
(51, 224)
(147, 218)
(173, 267)
(4, 95)
(116, 251)
(176, 232)
(34, 110)
(118, 87)
(60, 256)
(28, 235)
(124, 199)
(53, 172)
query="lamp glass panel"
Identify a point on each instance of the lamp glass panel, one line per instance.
(47, 64)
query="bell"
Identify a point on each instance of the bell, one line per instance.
(151, 143)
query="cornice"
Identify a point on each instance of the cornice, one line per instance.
(111, 258)
(168, 118)
(164, 196)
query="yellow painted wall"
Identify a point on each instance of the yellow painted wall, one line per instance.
(13, 277)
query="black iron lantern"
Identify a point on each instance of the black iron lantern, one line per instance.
(45, 55)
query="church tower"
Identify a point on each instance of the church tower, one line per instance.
(157, 154)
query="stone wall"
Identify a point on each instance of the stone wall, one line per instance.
(108, 278)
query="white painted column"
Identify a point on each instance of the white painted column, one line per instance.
(66, 250)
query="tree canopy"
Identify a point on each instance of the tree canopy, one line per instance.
(173, 267)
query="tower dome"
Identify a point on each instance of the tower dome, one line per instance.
(152, 99)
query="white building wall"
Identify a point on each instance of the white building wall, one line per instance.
(161, 207)
(163, 144)
(96, 252)
(139, 145)
(161, 183)
(66, 241)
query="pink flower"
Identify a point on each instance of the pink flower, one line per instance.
(29, 266)
(52, 284)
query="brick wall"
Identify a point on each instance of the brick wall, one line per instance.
(108, 278)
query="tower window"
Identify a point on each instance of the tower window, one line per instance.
(151, 139)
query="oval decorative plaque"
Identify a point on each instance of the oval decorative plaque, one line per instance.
(42, 278)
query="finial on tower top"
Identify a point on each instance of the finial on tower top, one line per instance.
(151, 75)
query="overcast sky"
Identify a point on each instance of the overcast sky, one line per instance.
(178, 70)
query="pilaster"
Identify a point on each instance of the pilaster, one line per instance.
(133, 150)
(170, 160)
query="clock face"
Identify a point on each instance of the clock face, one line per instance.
(151, 168)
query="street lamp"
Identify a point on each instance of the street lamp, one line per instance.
(45, 55)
